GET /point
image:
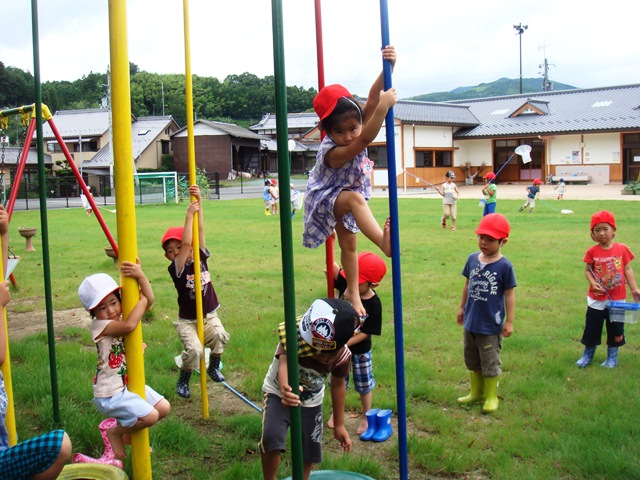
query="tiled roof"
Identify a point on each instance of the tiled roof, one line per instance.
(75, 123)
(434, 113)
(304, 121)
(11, 156)
(228, 128)
(143, 131)
(584, 110)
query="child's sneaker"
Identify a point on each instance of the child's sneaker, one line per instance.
(443, 222)
(521, 209)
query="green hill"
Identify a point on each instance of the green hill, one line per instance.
(501, 87)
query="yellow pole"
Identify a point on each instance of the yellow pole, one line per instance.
(192, 181)
(126, 215)
(10, 417)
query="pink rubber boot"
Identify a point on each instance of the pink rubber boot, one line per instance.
(108, 457)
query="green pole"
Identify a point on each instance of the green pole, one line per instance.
(43, 214)
(285, 233)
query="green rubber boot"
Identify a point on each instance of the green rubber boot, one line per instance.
(491, 393)
(476, 394)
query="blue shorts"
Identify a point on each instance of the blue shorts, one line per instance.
(31, 457)
(127, 407)
(362, 372)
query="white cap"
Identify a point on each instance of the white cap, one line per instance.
(95, 288)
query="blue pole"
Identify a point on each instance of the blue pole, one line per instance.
(395, 257)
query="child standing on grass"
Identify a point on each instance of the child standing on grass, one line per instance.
(41, 457)
(100, 296)
(561, 188)
(177, 243)
(487, 310)
(335, 197)
(532, 193)
(371, 271)
(450, 194)
(608, 267)
(323, 332)
(266, 196)
(490, 192)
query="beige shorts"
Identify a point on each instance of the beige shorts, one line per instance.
(215, 337)
(450, 210)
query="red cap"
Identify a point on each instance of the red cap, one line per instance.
(490, 176)
(602, 217)
(371, 268)
(494, 225)
(326, 100)
(172, 233)
(537, 181)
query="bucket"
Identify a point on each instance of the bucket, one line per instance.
(624, 312)
(482, 203)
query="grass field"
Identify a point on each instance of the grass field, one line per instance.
(555, 420)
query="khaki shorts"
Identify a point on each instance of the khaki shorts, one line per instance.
(450, 210)
(482, 352)
(215, 337)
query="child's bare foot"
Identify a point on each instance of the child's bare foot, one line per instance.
(356, 303)
(386, 238)
(362, 427)
(117, 444)
(330, 422)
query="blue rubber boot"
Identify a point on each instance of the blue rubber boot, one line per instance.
(587, 357)
(372, 424)
(612, 358)
(384, 430)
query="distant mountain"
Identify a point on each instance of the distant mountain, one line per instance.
(499, 88)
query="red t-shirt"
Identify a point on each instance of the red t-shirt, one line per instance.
(608, 268)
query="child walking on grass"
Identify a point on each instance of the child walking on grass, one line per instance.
(450, 195)
(177, 243)
(100, 296)
(608, 266)
(336, 196)
(487, 310)
(532, 193)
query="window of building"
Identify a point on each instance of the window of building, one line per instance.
(378, 155)
(424, 158)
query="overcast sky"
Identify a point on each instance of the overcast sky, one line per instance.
(440, 45)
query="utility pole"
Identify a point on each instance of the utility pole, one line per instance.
(546, 84)
(520, 30)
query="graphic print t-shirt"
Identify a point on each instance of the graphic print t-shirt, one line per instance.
(484, 312)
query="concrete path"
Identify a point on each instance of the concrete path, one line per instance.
(517, 192)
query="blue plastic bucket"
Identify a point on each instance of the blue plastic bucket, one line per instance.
(624, 312)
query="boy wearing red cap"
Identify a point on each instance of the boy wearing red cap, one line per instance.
(178, 249)
(337, 191)
(322, 334)
(487, 310)
(490, 192)
(608, 266)
(371, 271)
(532, 193)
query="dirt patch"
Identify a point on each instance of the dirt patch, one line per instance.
(22, 324)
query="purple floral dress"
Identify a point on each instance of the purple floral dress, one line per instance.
(323, 187)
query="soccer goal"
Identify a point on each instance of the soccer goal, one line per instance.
(156, 187)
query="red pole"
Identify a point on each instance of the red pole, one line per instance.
(329, 259)
(87, 194)
(20, 167)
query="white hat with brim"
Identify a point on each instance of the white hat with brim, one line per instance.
(95, 288)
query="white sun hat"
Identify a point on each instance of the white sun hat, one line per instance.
(95, 288)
